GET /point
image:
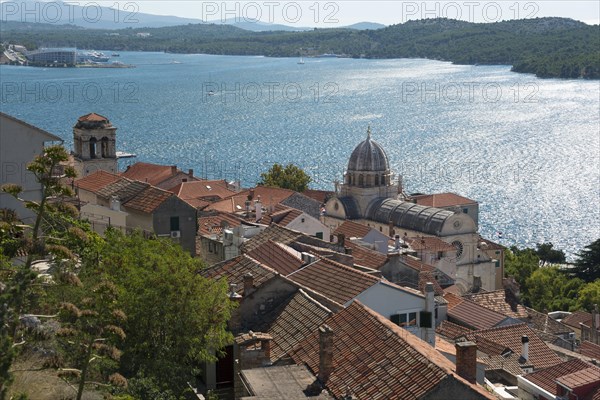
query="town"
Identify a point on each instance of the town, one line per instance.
(361, 292)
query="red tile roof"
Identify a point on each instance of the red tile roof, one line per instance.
(283, 217)
(473, 315)
(148, 199)
(578, 317)
(154, 174)
(441, 200)
(590, 349)
(540, 355)
(581, 378)
(366, 257)
(96, 181)
(429, 243)
(546, 378)
(275, 256)
(273, 232)
(333, 280)
(376, 359)
(491, 245)
(212, 224)
(320, 195)
(352, 229)
(496, 301)
(202, 190)
(451, 330)
(234, 270)
(92, 117)
(269, 196)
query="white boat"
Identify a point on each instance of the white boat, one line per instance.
(301, 60)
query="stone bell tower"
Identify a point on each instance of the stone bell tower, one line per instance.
(94, 140)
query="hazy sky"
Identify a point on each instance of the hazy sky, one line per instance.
(331, 13)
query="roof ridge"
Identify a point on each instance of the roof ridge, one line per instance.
(312, 300)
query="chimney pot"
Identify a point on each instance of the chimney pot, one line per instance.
(173, 169)
(325, 353)
(466, 360)
(525, 347)
(248, 284)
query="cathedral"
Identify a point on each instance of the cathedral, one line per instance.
(371, 196)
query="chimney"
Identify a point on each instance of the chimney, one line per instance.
(525, 347)
(466, 360)
(430, 308)
(391, 228)
(397, 241)
(232, 292)
(258, 209)
(191, 173)
(325, 353)
(341, 239)
(348, 250)
(248, 284)
(265, 346)
(173, 169)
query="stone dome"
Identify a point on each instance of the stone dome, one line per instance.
(368, 156)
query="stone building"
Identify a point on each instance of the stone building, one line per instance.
(371, 196)
(94, 142)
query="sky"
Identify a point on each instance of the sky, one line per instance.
(314, 13)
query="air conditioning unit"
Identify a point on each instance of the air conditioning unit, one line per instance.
(175, 234)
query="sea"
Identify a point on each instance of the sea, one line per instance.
(527, 149)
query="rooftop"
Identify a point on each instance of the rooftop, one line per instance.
(546, 378)
(203, 189)
(333, 280)
(540, 355)
(441, 200)
(213, 224)
(578, 317)
(96, 181)
(430, 243)
(376, 359)
(234, 270)
(473, 315)
(148, 199)
(496, 301)
(275, 233)
(590, 349)
(353, 229)
(580, 378)
(451, 330)
(153, 174)
(365, 257)
(92, 117)
(286, 382)
(280, 257)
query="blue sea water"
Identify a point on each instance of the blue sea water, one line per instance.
(527, 149)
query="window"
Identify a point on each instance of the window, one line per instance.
(376, 180)
(406, 319)
(319, 235)
(425, 319)
(465, 210)
(360, 180)
(174, 223)
(104, 147)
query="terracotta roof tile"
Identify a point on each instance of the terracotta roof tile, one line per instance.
(203, 190)
(353, 229)
(496, 301)
(580, 378)
(474, 316)
(92, 117)
(234, 270)
(544, 323)
(430, 243)
(451, 330)
(211, 224)
(578, 317)
(453, 300)
(590, 349)
(153, 174)
(124, 189)
(376, 360)
(96, 181)
(366, 257)
(546, 378)
(333, 280)
(540, 355)
(320, 195)
(441, 200)
(273, 232)
(510, 363)
(148, 199)
(269, 196)
(291, 322)
(276, 256)
(491, 245)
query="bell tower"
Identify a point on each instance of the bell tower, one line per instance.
(94, 141)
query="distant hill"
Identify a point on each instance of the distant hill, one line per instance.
(547, 47)
(365, 25)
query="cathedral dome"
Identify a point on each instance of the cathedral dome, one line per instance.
(368, 156)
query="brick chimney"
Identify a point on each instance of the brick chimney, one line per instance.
(466, 360)
(248, 284)
(325, 353)
(525, 347)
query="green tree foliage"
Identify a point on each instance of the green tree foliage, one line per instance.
(288, 177)
(550, 289)
(589, 295)
(521, 264)
(176, 319)
(587, 265)
(549, 255)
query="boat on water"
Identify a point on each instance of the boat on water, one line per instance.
(94, 56)
(328, 55)
(115, 55)
(301, 61)
(175, 62)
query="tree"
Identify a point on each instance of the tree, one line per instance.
(550, 289)
(521, 264)
(176, 319)
(589, 295)
(587, 265)
(548, 254)
(288, 177)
